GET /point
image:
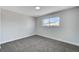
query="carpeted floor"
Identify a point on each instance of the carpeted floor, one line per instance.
(38, 44)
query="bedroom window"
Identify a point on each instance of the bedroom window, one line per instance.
(54, 21)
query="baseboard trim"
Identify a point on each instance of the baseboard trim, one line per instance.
(68, 42)
(15, 39)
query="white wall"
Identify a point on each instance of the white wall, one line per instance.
(16, 26)
(68, 31)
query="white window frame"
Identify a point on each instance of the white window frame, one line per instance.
(49, 23)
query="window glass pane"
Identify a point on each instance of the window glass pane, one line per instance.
(54, 24)
(54, 21)
(46, 21)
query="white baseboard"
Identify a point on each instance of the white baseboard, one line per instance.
(43, 36)
(58, 39)
(15, 39)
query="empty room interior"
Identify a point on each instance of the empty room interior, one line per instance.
(39, 28)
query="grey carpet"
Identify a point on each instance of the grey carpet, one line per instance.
(38, 44)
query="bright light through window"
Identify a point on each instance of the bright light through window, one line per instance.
(55, 21)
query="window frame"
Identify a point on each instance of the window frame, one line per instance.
(51, 22)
